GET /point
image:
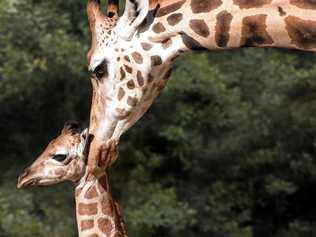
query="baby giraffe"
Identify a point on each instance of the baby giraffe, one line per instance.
(64, 159)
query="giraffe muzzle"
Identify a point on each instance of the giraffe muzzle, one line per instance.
(26, 179)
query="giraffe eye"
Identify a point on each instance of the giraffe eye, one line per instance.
(59, 158)
(101, 70)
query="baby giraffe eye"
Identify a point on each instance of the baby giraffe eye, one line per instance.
(59, 157)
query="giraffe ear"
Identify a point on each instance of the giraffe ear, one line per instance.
(71, 127)
(85, 139)
(84, 135)
(134, 14)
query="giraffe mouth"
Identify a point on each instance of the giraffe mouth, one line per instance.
(24, 181)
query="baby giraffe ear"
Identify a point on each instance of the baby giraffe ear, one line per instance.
(134, 14)
(71, 127)
(84, 135)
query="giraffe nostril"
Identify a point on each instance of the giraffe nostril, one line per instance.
(26, 179)
(26, 172)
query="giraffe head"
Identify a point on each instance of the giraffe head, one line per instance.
(112, 34)
(62, 160)
(128, 66)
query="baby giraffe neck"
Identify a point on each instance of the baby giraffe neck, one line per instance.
(97, 212)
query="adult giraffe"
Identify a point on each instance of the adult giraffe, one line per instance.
(131, 56)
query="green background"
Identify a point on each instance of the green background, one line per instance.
(227, 150)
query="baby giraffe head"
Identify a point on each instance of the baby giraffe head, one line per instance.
(62, 160)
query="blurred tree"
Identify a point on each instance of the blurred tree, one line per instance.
(42, 84)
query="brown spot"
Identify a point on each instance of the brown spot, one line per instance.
(90, 177)
(128, 68)
(121, 113)
(140, 78)
(118, 59)
(91, 193)
(174, 19)
(170, 8)
(222, 28)
(191, 43)
(305, 4)
(166, 43)
(127, 58)
(106, 206)
(251, 3)
(281, 11)
(78, 191)
(103, 181)
(254, 31)
(86, 225)
(118, 234)
(105, 226)
(158, 28)
(137, 57)
(93, 118)
(200, 27)
(87, 209)
(160, 85)
(123, 74)
(132, 101)
(150, 78)
(155, 60)
(199, 6)
(130, 84)
(168, 74)
(121, 93)
(146, 46)
(60, 172)
(302, 32)
(144, 90)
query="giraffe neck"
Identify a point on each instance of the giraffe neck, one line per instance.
(226, 24)
(176, 26)
(97, 213)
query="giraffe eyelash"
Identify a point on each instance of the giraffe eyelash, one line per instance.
(101, 70)
(59, 157)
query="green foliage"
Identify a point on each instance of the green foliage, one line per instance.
(151, 207)
(228, 149)
(23, 214)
